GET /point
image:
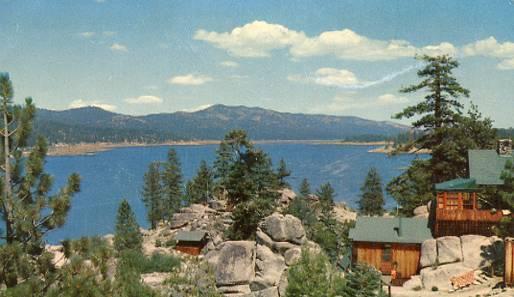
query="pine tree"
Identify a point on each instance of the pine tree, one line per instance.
(27, 209)
(127, 235)
(199, 190)
(372, 201)
(445, 131)
(438, 112)
(313, 276)
(305, 188)
(362, 281)
(326, 199)
(152, 194)
(250, 182)
(283, 173)
(172, 185)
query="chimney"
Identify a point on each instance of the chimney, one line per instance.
(398, 229)
(504, 147)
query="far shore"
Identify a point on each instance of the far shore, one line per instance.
(63, 149)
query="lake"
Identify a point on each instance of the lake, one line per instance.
(108, 177)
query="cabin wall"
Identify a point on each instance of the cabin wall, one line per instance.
(405, 255)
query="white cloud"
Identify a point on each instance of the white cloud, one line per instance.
(335, 77)
(230, 64)
(389, 99)
(255, 39)
(87, 34)
(506, 64)
(490, 47)
(118, 47)
(259, 38)
(346, 79)
(198, 108)
(82, 103)
(190, 79)
(145, 99)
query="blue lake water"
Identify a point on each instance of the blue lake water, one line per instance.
(110, 176)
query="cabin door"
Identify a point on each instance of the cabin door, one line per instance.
(387, 260)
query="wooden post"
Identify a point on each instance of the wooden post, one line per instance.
(474, 197)
(509, 269)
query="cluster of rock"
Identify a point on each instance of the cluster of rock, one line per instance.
(259, 268)
(194, 217)
(451, 256)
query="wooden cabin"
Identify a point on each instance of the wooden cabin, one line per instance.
(458, 209)
(191, 242)
(387, 243)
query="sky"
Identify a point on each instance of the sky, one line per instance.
(330, 57)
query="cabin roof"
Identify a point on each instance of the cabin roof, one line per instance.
(486, 166)
(191, 236)
(458, 184)
(380, 229)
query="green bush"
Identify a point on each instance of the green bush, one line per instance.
(313, 276)
(156, 263)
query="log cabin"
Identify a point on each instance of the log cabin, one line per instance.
(387, 243)
(191, 242)
(458, 207)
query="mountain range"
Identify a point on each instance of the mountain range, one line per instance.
(93, 124)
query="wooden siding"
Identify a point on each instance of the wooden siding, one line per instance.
(406, 257)
(509, 262)
(190, 250)
(458, 222)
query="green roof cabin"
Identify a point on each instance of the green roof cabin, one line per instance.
(191, 242)
(385, 243)
(458, 210)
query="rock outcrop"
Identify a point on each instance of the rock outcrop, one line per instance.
(259, 268)
(452, 256)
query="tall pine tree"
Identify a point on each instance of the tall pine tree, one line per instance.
(152, 195)
(372, 201)
(172, 184)
(27, 208)
(283, 172)
(200, 188)
(127, 235)
(305, 188)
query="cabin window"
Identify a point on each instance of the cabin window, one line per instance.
(467, 201)
(452, 201)
(387, 253)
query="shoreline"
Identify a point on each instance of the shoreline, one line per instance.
(81, 149)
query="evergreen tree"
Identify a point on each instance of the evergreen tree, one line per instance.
(362, 281)
(283, 173)
(199, 190)
(438, 112)
(127, 235)
(152, 194)
(326, 199)
(27, 209)
(313, 276)
(372, 197)
(301, 208)
(250, 183)
(446, 132)
(172, 185)
(305, 188)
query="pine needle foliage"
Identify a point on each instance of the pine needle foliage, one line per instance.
(27, 207)
(127, 235)
(372, 200)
